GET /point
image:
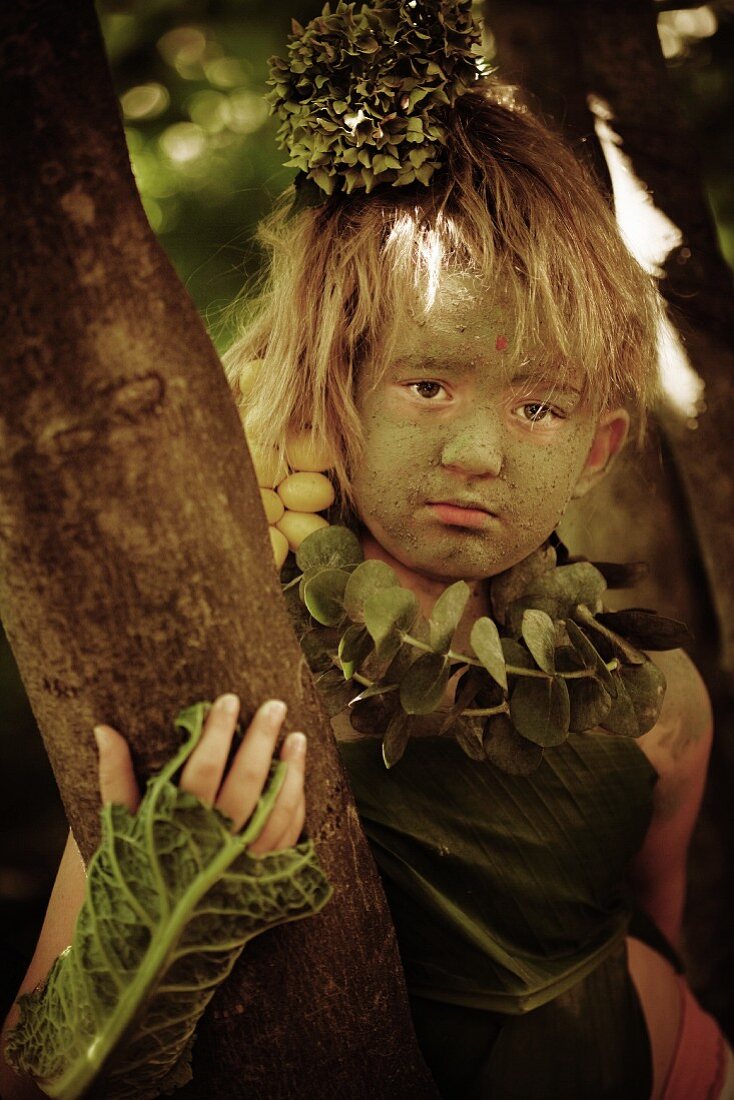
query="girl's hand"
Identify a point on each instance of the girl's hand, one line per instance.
(235, 793)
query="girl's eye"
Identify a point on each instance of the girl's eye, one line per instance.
(537, 412)
(432, 387)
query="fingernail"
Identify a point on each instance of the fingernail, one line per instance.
(102, 737)
(296, 744)
(230, 704)
(275, 709)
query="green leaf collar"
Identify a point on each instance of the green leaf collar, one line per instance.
(548, 663)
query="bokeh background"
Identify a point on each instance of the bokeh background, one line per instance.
(190, 75)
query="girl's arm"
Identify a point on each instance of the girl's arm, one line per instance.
(235, 794)
(58, 926)
(678, 746)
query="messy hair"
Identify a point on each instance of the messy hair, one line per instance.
(513, 208)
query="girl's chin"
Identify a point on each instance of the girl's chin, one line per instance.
(436, 570)
(444, 566)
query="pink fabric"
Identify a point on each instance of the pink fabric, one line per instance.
(699, 1060)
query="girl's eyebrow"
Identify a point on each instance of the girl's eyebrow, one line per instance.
(535, 377)
(425, 362)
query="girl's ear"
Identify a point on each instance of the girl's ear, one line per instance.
(611, 435)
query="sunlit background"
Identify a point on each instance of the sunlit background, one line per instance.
(190, 76)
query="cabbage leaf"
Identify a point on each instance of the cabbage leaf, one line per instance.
(171, 899)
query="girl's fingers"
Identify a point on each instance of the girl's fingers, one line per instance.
(117, 781)
(203, 773)
(285, 822)
(246, 777)
(204, 769)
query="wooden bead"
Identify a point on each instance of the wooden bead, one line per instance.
(296, 525)
(279, 543)
(306, 492)
(272, 504)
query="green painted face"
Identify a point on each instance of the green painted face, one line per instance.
(450, 421)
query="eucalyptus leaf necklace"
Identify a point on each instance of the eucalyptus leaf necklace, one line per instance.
(548, 663)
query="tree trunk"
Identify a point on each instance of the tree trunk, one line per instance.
(671, 505)
(539, 54)
(135, 569)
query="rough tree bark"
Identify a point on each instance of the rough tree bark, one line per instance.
(672, 504)
(135, 568)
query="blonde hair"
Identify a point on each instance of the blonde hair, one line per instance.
(513, 208)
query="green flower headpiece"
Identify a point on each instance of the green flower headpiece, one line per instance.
(361, 94)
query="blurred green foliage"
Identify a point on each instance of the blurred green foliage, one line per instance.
(191, 76)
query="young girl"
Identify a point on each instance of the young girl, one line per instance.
(462, 339)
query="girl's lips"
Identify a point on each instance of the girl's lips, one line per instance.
(455, 516)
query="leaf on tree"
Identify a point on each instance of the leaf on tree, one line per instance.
(469, 733)
(323, 595)
(354, 646)
(172, 897)
(396, 738)
(335, 692)
(619, 646)
(423, 685)
(375, 665)
(590, 656)
(590, 704)
(539, 635)
(387, 614)
(367, 579)
(516, 654)
(404, 659)
(486, 643)
(645, 685)
(331, 547)
(551, 606)
(468, 687)
(421, 630)
(540, 709)
(567, 659)
(559, 591)
(507, 750)
(646, 629)
(641, 692)
(621, 718)
(446, 615)
(371, 715)
(374, 690)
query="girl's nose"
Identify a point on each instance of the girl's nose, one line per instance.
(475, 447)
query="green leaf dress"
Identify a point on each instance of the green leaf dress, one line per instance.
(511, 906)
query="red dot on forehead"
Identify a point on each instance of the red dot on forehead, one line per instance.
(501, 343)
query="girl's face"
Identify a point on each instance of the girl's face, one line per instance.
(451, 422)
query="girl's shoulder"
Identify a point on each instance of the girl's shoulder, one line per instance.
(679, 744)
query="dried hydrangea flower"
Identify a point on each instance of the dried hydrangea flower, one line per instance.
(362, 92)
